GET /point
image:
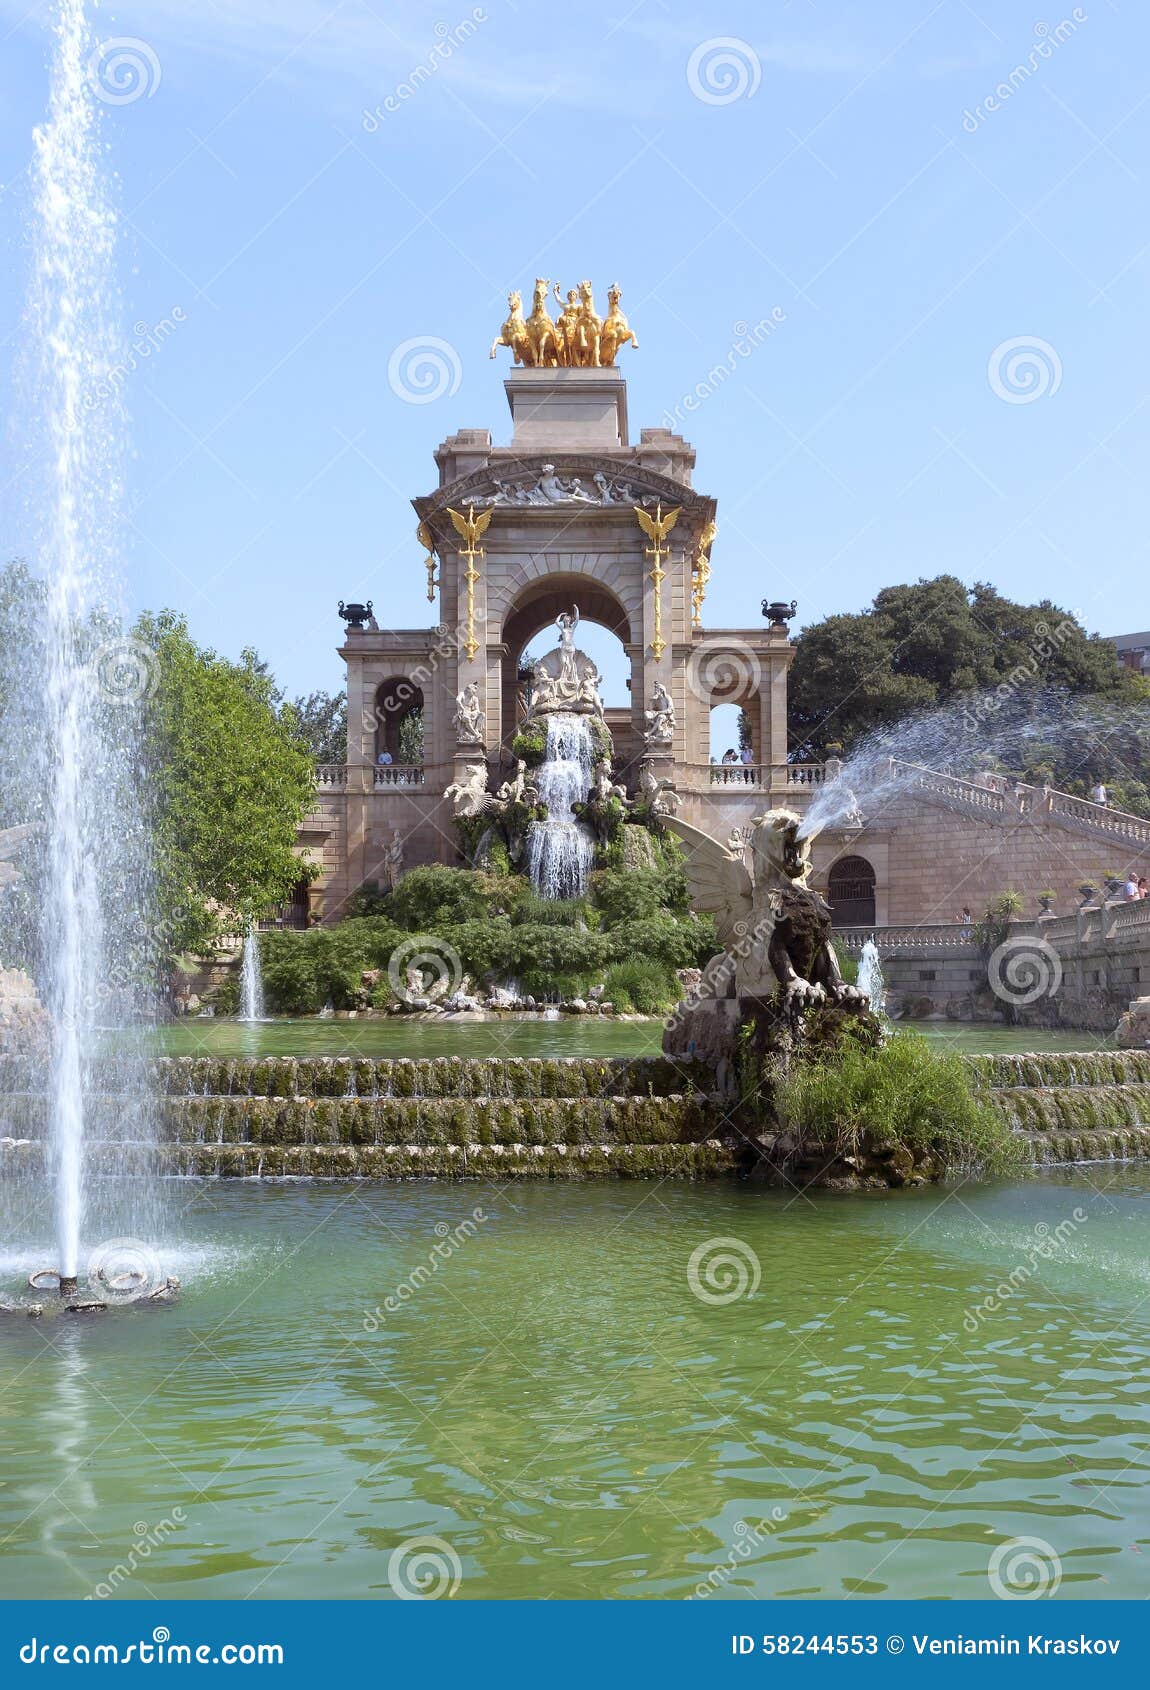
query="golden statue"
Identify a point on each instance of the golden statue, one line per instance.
(424, 535)
(514, 331)
(471, 529)
(656, 528)
(616, 330)
(580, 339)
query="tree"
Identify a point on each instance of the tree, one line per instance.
(321, 721)
(936, 642)
(229, 780)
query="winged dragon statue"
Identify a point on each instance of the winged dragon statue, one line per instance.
(775, 930)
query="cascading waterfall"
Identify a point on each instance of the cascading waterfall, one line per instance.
(94, 929)
(870, 977)
(251, 979)
(561, 850)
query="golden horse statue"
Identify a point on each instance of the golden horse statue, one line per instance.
(514, 331)
(616, 330)
(541, 332)
(587, 330)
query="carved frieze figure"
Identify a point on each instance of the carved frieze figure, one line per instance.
(550, 488)
(469, 795)
(468, 720)
(660, 718)
(660, 796)
(775, 930)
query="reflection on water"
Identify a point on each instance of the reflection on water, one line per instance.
(550, 1396)
(544, 1035)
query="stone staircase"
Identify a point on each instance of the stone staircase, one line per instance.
(970, 798)
(447, 1117)
(1072, 1107)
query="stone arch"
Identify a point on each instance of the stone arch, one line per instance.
(851, 883)
(396, 699)
(535, 607)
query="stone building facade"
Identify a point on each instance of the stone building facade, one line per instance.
(573, 513)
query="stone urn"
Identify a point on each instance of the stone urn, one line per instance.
(1134, 1027)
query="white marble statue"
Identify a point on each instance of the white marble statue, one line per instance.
(469, 719)
(660, 718)
(660, 795)
(469, 795)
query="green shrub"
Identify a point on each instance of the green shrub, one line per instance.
(530, 744)
(642, 986)
(903, 1093)
(552, 912)
(427, 899)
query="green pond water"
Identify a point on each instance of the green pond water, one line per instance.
(557, 1405)
(571, 1036)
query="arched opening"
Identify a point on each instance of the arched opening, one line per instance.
(850, 892)
(398, 712)
(730, 741)
(604, 633)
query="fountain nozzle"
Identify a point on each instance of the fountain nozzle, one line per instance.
(69, 1285)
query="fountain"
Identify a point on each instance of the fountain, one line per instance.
(561, 850)
(870, 980)
(90, 880)
(251, 979)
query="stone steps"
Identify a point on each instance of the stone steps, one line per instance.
(708, 1160)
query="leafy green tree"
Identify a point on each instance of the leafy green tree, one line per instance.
(321, 722)
(932, 643)
(229, 780)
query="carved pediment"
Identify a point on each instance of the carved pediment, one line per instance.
(572, 481)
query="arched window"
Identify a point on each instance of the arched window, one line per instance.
(850, 891)
(398, 721)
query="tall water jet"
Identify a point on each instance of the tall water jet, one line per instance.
(94, 931)
(870, 977)
(561, 850)
(251, 979)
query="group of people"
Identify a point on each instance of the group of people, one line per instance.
(1137, 886)
(741, 760)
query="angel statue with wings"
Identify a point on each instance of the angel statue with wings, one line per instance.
(776, 931)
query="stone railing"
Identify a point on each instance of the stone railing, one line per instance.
(1022, 800)
(930, 939)
(332, 777)
(761, 776)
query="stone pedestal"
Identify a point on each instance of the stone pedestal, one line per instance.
(567, 410)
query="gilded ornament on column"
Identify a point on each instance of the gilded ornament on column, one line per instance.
(580, 339)
(656, 528)
(471, 529)
(701, 572)
(424, 536)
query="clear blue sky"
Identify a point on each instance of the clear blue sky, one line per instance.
(861, 443)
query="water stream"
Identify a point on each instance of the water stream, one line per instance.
(561, 850)
(251, 980)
